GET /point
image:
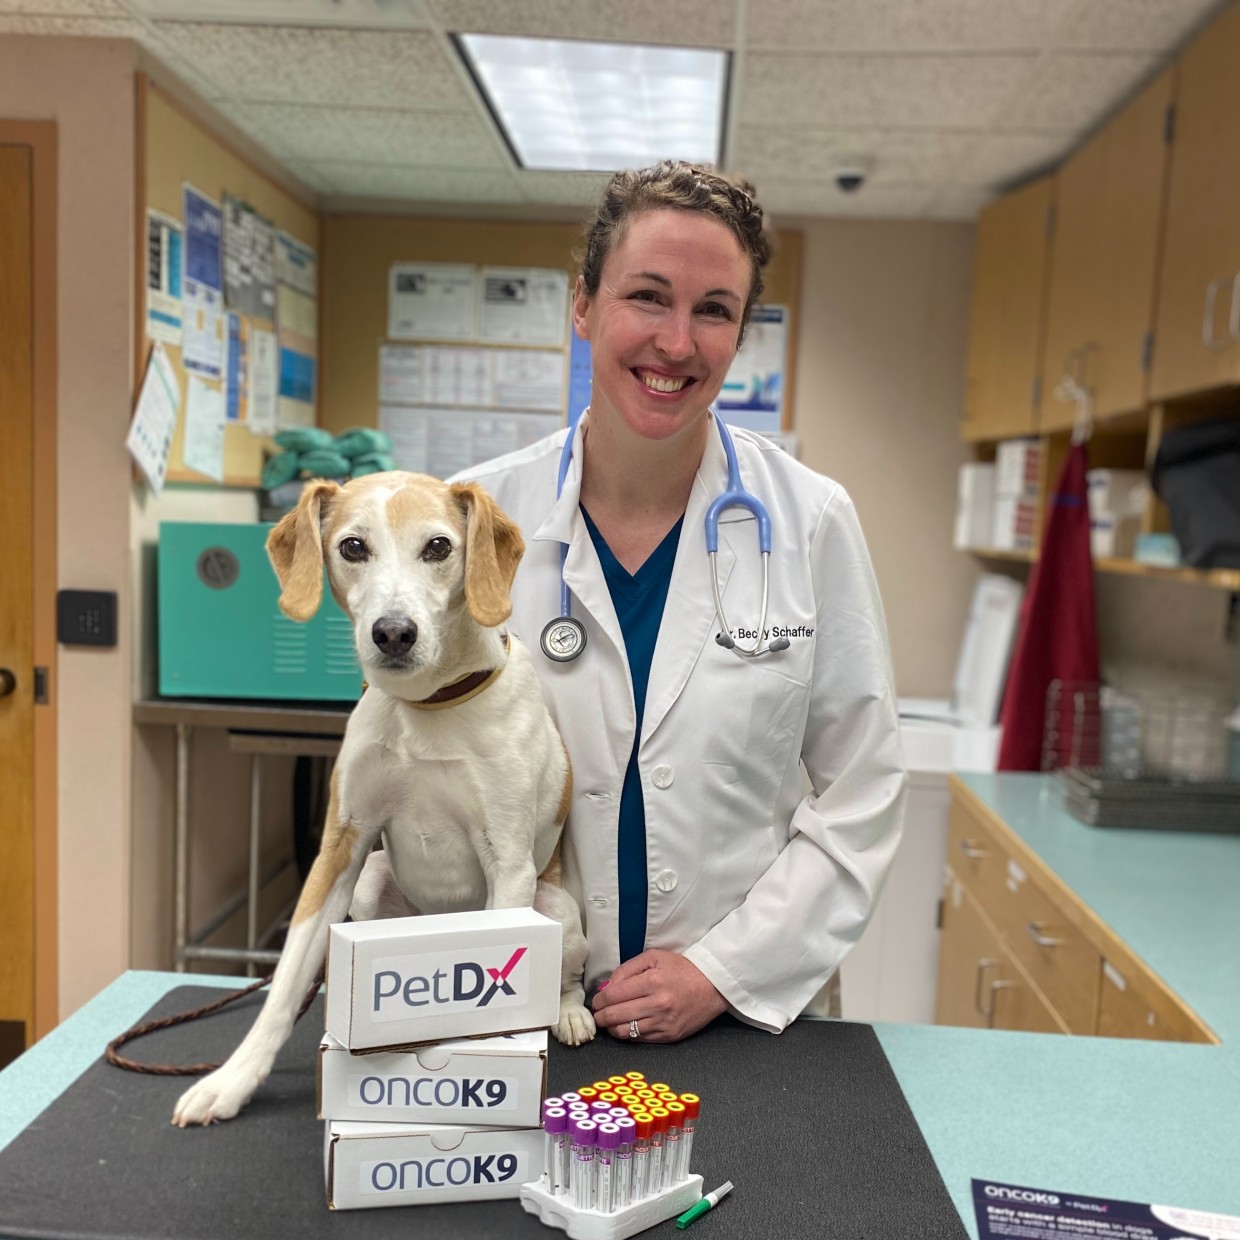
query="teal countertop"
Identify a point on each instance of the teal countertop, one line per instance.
(1138, 1121)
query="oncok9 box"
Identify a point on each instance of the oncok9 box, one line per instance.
(404, 980)
(486, 1081)
(369, 1165)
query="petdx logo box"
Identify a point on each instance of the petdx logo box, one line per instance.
(370, 1165)
(489, 1081)
(406, 980)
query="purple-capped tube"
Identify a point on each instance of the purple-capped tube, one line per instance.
(599, 1109)
(553, 1102)
(585, 1138)
(570, 1096)
(622, 1175)
(605, 1165)
(555, 1137)
(618, 1113)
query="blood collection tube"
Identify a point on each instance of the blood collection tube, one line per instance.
(618, 1080)
(641, 1157)
(658, 1086)
(555, 1129)
(671, 1142)
(587, 1093)
(585, 1138)
(654, 1181)
(693, 1104)
(570, 1096)
(602, 1086)
(635, 1076)
(617, 1112)
(598, 1107)
(609, 1096)
(605, 1164)
(553, 1102)
(622, 1177)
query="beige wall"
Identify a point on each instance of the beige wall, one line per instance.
(87, 88)
(884, 316)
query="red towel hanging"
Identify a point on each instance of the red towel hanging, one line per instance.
(1058, 636)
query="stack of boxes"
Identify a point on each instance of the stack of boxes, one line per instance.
(975, 507)
(420, 1105)
(1116, 504)
(1018, 467)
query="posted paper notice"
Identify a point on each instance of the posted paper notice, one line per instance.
(155, 419)
(1013, 1212)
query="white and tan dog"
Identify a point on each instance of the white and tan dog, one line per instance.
(450, 757)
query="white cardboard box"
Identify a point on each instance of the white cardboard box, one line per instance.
(975, 506)
(1116, 493)
(468, 1081)
(1018, 463)
(405, 980)
(372, 1165)
(1014, 521)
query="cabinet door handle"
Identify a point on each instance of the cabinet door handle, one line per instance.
(997, 985)
(971, 850)
(1207, 322)
(982, 966)
(1039, 936)
(1233, 318)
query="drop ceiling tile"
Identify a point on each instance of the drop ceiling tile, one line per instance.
(687, 23)
(1136, 25)
(373, 135)
(417, 184)
(309, 175)
(884, 91)
(1074, 91)
(571, 189)
(362, 14)
(958, 202)
(871, 202)
(1000, 159)
(98, 27)
(769, 153)
(903, 25)
(289, 64)
(74, 8)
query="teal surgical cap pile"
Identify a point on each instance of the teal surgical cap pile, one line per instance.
(311, 452)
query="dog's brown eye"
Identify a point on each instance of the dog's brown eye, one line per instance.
(354, 550)
(437, 549)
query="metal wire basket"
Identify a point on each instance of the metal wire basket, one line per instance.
(1141, 760)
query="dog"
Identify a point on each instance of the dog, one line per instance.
(450, 758)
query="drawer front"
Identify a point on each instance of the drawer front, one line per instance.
(1135, 1007)
(1063, 964)
(974, 856)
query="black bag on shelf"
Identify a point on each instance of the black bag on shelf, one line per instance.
(1197, 475)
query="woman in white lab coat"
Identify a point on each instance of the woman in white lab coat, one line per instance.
(709, 880)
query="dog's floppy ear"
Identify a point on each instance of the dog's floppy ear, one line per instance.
(493, 549)
(295, 548)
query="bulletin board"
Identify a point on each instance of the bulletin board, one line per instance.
(358, 252)
(175, 149)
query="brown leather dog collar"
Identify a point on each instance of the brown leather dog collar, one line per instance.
(462, 690)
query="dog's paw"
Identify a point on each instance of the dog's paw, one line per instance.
(576, 1025)
(216, 1097)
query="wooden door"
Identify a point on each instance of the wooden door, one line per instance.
(1006, 316)
(1108, 217)
(1194, 348)
(16, 603)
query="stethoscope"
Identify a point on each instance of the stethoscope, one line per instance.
(564, 637)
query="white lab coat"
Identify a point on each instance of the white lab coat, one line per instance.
(763, 888)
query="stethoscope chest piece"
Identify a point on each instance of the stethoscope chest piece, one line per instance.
(563, 639)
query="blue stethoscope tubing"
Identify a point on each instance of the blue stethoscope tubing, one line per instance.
(733, 496)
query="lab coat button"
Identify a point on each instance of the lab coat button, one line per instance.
(663, 776)
(666, 880)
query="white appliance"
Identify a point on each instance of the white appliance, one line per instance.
(892, 972)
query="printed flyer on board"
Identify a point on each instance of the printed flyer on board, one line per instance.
(1014, 1212)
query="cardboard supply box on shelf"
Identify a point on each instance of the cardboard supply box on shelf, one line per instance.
(975, 499)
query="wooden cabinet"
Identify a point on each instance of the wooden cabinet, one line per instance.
(1006, 319)
(1019, 951)
(1108, 218)
(1197, 334)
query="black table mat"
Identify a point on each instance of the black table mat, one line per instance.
(811, 1127)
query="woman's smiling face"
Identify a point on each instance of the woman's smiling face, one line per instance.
(664, 325)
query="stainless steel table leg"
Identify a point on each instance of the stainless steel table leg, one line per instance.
(181, 848)
(251, 908)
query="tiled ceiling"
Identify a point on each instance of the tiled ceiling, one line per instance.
(949, 101)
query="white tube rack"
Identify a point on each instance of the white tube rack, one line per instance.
(559, 1212)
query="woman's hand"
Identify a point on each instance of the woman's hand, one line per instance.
(668, 996)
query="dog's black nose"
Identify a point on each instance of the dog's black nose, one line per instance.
(394, 635)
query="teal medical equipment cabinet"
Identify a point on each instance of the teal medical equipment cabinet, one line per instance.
(221, 631)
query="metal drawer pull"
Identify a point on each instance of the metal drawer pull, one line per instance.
(995, 986)
(971, 850)
(982, 966)
(1040, 937)
(1207, 321)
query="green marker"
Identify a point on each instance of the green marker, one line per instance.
(711, 1199)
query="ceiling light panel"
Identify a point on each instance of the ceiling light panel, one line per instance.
(573, 106)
